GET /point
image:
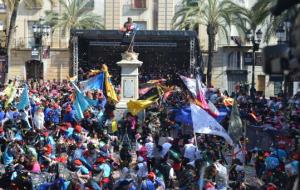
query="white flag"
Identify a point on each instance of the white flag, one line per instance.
(206, 124)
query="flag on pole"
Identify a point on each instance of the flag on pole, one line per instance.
(200, 95)
(110, 91)
(206, 124)
(24, 99)
(136, 106)
(235, 128)
(93, 83)
(80, 102)
(10, 91)
(201, 121)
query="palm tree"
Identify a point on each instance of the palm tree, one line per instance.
(74, 16)
(12, 6)
(214, 14)
(246, 19)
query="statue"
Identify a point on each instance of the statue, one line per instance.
(129, 31)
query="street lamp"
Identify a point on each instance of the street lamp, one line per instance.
(40, 30)
(255, 38)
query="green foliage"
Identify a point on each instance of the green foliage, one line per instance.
(74, 16)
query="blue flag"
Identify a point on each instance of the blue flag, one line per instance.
(24, 99)
(80, 103)
(93, 83)
(184, 116)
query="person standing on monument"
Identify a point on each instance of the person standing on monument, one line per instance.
(128, 34)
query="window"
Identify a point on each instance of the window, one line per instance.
(2, 8)
(30, 36)
(139, 4)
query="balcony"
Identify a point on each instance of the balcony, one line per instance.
(2, 8)
(28, 43)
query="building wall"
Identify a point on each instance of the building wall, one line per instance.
(112, 14)
(57, 67)
(165, 14)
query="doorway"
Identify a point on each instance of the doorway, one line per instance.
(261, 84)
(34, 70)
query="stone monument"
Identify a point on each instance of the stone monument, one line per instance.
(129, 81)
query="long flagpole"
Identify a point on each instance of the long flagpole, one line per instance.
(244, 150)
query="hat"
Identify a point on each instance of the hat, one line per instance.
(100, 160)
(48, 149)
(151, 176)
(78, 129)
(77, 162)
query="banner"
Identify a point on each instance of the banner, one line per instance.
(206, 124)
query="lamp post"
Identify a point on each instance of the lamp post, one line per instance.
(282, 33)
(40, 30)
(255, 38)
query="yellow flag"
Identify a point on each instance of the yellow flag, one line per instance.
(135, 106)
(114, 126)
(10, 91)
(110, 91)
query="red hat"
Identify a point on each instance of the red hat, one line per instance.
(151, 176)
(77, 162)
(78, 129)
(48, 149)
(100, 160)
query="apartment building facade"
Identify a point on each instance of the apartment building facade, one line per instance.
(55, 56)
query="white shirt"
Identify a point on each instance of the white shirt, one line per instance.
(165, 148)
(38, 120)
(150, 149)
(190, 151)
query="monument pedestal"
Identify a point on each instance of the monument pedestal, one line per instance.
(129, 81)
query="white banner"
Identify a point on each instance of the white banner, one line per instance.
(206, 124)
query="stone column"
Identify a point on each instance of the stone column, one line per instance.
(129, 81)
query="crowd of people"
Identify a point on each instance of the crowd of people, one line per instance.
(45, 146)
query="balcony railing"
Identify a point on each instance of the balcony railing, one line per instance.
(2, 8)
(27, 43)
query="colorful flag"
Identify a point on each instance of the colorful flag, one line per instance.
(206, 124)
(200, 95)
(235, 128)
(109, 89)
(154, 93)
(10, 91)
(136, 106)
(201, 121)
(24, 99)
(93, 83)
(80, 102)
